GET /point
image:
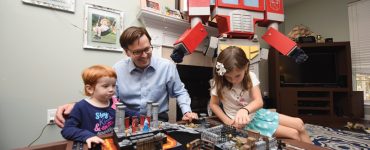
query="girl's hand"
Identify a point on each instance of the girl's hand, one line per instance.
(231, 122)
(94, 139)
(242, 118)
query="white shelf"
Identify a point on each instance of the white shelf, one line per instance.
(160, 21)
(166, 30)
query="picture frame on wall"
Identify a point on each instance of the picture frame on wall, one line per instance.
(151, 5)
(65, 5)
(103, 27)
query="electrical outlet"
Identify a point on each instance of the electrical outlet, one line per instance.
(50, 116)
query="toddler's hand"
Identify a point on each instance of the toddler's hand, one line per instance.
(242, 118)
(94, 139)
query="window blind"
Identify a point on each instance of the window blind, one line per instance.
(359, 28)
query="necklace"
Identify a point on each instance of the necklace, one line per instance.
(238, 95)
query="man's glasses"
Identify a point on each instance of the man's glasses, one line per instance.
(146, 50)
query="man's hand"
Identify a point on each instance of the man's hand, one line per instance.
(189, 116)
(63, 111)
(95, 140)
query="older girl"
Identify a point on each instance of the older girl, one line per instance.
(238, 91)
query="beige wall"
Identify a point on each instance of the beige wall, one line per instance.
(326, 17)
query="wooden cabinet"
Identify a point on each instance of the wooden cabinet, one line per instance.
(288, 97)
(317, 90)
(357, 104)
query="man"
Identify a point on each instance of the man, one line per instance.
(141, 78)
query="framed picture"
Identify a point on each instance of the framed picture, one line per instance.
(65, 5)
(173, 13)
(103, 27)
(151, 5)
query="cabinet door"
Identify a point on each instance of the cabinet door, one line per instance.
(357, 104)
(288, 102)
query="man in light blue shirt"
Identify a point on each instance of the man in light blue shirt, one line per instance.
(157, 82)
(141, 78)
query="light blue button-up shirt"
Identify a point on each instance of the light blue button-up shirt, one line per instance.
(156, 83)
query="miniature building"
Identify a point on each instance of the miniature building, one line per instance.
(199, 144)
(155, 110)
(120, 118)
(150, 143)
(117, 113)
(149, 108)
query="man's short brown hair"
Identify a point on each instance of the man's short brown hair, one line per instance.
(131, 34)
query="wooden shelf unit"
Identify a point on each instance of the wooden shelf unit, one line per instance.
(315, 103)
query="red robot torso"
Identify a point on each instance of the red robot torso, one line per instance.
(237, 18)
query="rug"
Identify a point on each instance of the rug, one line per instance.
(332, 138)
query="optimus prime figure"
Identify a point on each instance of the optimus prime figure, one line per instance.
(236, 23)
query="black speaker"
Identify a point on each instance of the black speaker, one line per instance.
(328, 40)
(306, 39)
